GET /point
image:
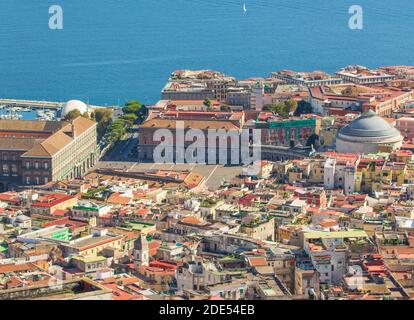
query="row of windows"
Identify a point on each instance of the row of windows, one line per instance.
(94, 266)
(36, 180)
(7, 157)
(7, 170)
(37, 165)
(65, 160)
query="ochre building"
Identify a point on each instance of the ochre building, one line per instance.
(36, 152)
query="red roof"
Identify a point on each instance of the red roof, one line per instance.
(67, 221)
(60, 213)
(263, 116)
(119, 294)
(258, 261)
(117, 198)
(142, 211)
(9, 197)
(51, 200)
(153, 247)
(347, 157)
(163, 265)
(191, 220)
(7, 268)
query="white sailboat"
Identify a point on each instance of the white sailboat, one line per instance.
(244, 8)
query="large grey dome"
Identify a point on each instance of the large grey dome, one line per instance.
(368, 134)
(369, 124)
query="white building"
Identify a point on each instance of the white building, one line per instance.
(257, 97)
(362, 75)
(196, 275)
(329, 174)
(339, 175)
(89, 209)
(328, 252)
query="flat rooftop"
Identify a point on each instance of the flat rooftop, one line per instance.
(94, 241)
(335, 234)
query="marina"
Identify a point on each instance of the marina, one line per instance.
(8, 112)
(12, 109)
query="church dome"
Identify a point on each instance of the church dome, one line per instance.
(369, 124)
(366, 134)
(73, 105)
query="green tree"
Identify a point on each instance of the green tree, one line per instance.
(135, 107)
(268, 107)
(312, 140)
(133, 111)
(132, 102)
(117, 130)
(225, 108)
(303, 108)
(129, 118)
(132, 108)
(291, 105)
(280, 109)
(207, 102)
(103, 116)
(71, 115)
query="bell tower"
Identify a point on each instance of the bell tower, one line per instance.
(141, 254)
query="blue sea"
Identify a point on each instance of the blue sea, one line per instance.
(110, 51)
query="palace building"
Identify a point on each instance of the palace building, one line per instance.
(204, 121)
(279, 138)
(36, 152)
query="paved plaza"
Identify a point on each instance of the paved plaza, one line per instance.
(214, 174)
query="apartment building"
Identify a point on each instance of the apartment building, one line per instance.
(328, 252)
(308, 79)
(363, 75)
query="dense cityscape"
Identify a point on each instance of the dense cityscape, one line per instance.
(324, 212)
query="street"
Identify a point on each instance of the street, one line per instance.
(123, 150)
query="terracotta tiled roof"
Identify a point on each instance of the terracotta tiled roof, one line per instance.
(328, 223)
(9, 197)
(257, 261)
(37, 151)
(194, 124)
(22, 144)
(117, 198)
(16, 268)
(191, 220)
(55, 143)
(60, 213)
(67, 221)
(118, 293)
(81, 124)
(30, 125)
(52, 200)
(59, 139)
